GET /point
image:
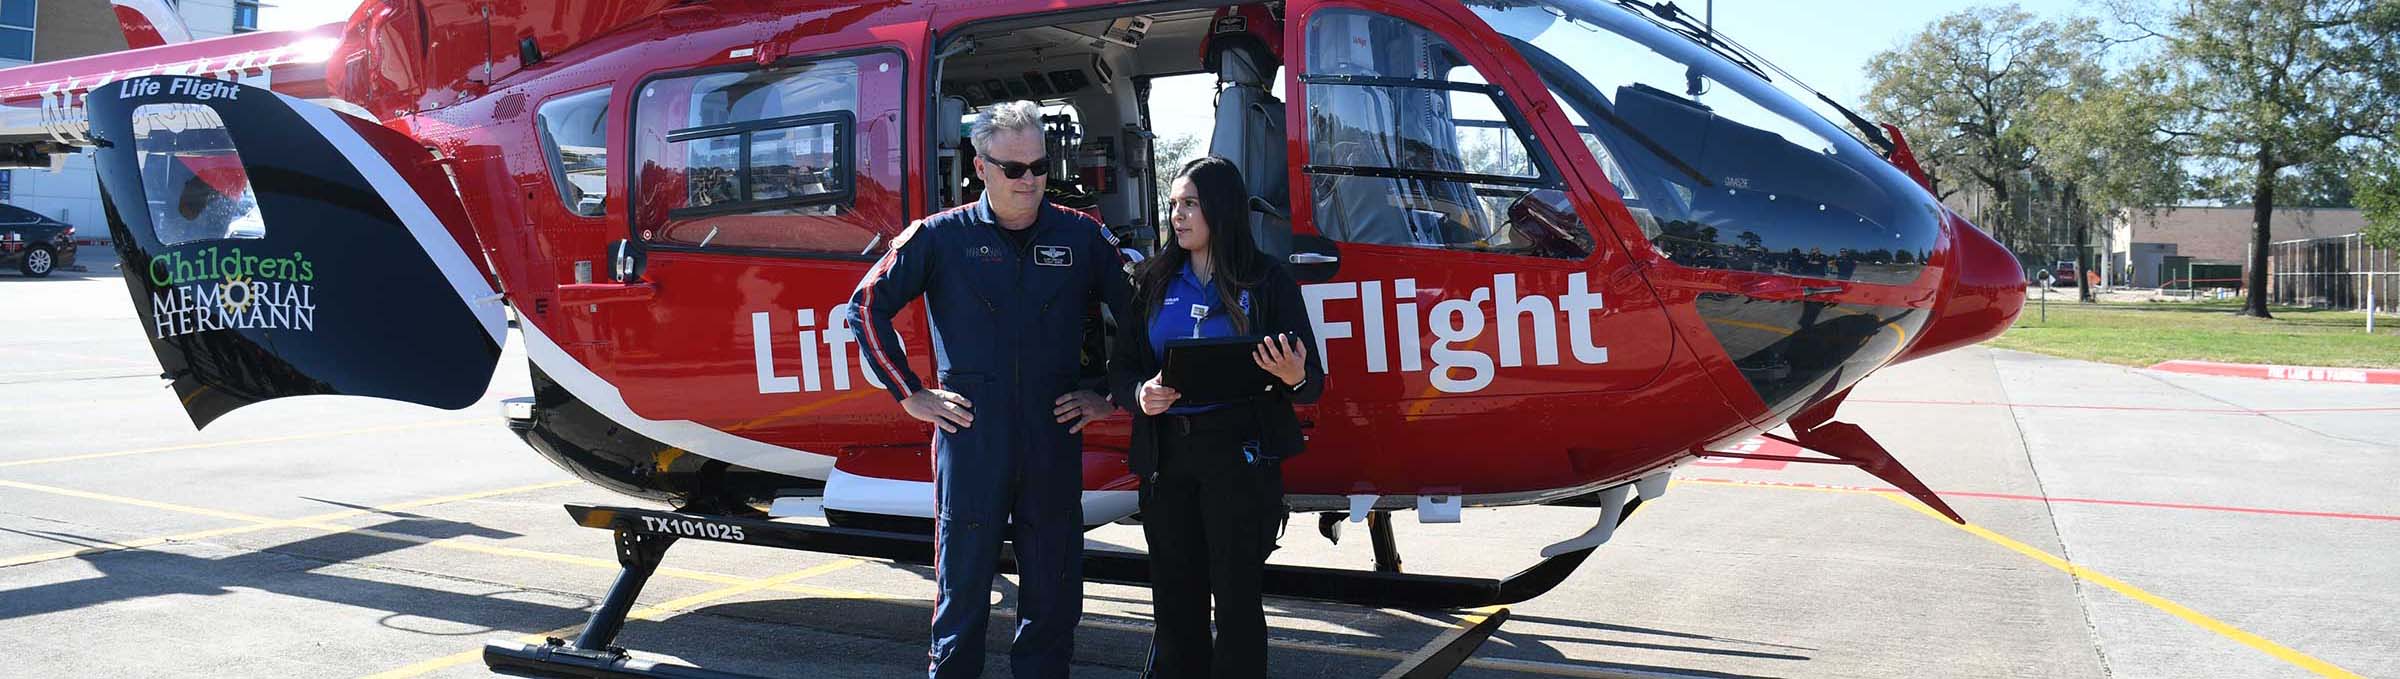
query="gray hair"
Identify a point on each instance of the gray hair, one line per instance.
(1006, 116)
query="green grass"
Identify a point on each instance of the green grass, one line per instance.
(2145, 334)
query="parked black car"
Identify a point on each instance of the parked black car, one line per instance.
(34, 244)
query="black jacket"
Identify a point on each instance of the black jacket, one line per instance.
(1276, 307)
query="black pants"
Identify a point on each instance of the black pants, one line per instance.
(1210, 517)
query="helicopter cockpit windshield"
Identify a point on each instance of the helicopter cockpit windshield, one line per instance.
(1722, 169)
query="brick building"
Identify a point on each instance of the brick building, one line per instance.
(2141, 247)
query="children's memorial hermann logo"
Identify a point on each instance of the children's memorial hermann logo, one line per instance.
(228, 290)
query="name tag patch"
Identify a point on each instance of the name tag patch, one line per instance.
(1053, 255)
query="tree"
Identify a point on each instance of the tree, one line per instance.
(2378, 189)
(1170, 154)
(2269, 86)
(1961, 91)
(2102, 137)
(2322, 184)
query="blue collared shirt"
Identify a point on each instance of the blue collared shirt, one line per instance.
(1190, 309)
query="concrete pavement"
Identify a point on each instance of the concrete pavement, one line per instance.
(2132, 523)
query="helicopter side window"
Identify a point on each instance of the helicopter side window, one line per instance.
(758, 160)
(1411, 146)
(575, 139)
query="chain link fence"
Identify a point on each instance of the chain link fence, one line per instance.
(2341, 272)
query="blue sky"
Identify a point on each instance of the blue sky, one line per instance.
(1827, 44)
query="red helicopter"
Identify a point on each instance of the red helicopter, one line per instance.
(1551, 248)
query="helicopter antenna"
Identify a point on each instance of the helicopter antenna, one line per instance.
(1673, 18)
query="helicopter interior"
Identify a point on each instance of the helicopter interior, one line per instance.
(1097, 76)
(1092, 78)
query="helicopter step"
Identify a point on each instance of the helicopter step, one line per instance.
(644, 535)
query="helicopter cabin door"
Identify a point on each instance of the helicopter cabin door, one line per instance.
(1447, 248)
(761, 193)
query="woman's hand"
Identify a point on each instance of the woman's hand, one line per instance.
(1157, 398)
(1283, 357)
(1080, 409)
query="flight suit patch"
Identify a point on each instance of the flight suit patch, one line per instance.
(1053, 255)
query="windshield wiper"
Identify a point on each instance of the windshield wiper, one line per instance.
(1873, 133)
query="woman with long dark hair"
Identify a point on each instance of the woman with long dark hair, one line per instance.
(1212, 482)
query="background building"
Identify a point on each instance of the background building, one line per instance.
(2148, 250)
(33, 31)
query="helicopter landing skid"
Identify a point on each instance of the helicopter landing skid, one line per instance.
(643, 536)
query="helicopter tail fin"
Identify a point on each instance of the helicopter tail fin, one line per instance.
(278, 248)
(150, 23)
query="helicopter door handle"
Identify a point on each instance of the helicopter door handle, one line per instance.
(1313, 258)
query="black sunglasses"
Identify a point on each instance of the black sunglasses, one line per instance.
(1013, 170)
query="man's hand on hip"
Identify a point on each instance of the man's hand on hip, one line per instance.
(1078, 409)
(944, 409)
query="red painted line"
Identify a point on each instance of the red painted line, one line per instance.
(2283, 372)
(2074, 500)
(2162, 409)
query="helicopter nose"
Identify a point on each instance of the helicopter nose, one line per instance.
(1984, 296)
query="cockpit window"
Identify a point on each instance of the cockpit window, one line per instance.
(1721, 169)
(1410, 145)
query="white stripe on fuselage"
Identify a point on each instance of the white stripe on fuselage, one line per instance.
(465, 280)
(700, 439)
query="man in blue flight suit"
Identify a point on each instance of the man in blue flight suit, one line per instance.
(1008, 281)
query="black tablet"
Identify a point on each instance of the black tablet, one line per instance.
(1214, 370)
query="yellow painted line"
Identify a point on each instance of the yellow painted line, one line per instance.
(427, 424)
(135, 501)
(79, 405)
(80, 372)
(85, 357)
(652, 612)
(2281, 652)
(1466, 622)
(2261, 644)
(661, 610)
(1762, 327)
(313, 522)
(1540, 667)
(1773, 486)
